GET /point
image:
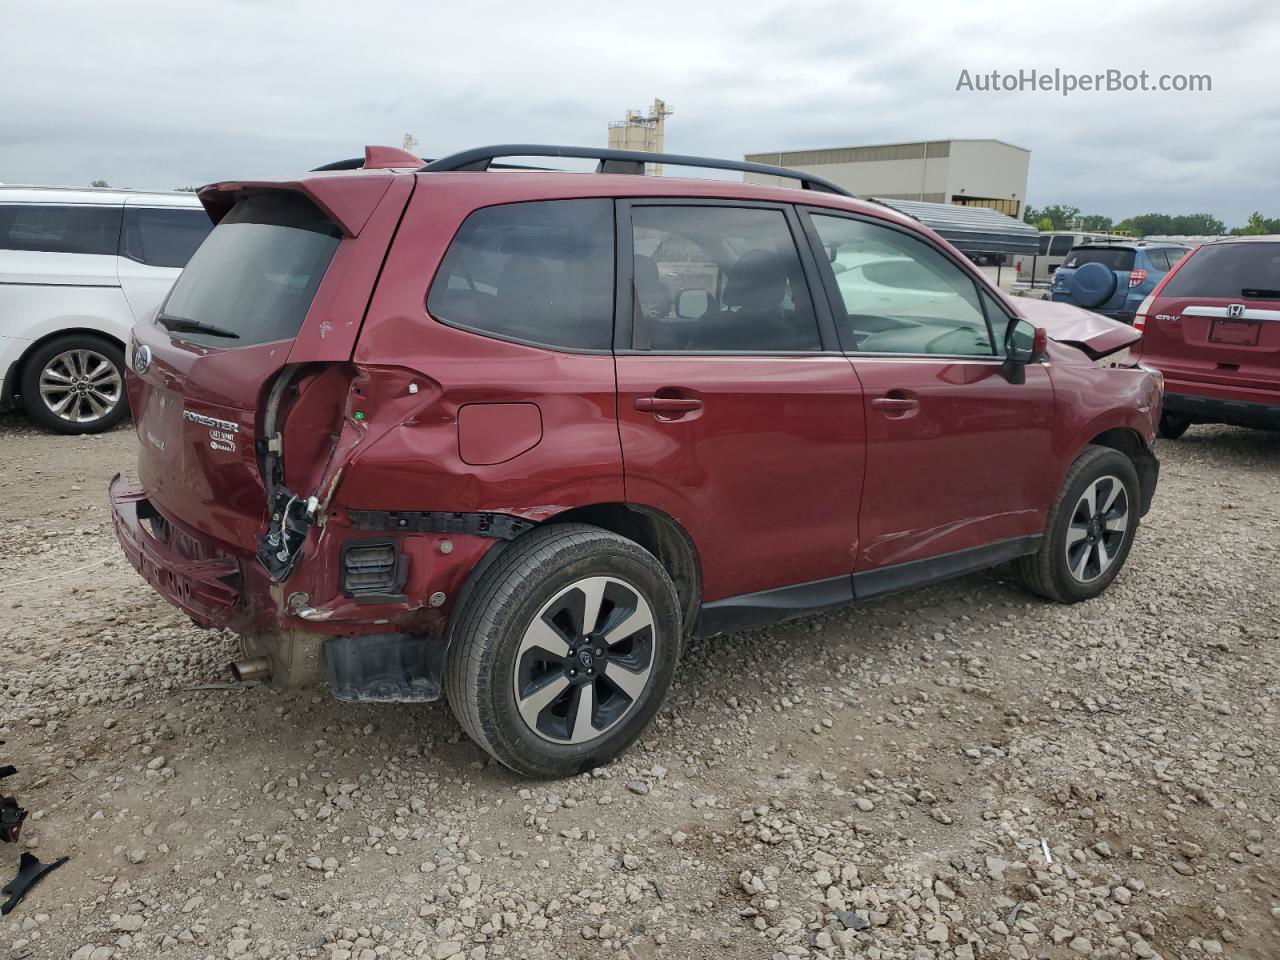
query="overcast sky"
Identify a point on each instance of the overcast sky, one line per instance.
(163, 95)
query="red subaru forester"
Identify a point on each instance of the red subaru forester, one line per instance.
(516, 435)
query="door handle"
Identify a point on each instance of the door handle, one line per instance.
(895, 404)
(667, 404)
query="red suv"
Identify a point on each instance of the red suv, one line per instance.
(514, 436)
(1213, 328)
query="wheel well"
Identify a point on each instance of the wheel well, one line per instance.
(14, 385)
(658, 533)
(1129, 443)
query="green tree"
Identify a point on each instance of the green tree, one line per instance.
(1198, 225)
(99, 183)
(187, 189)
(1256, 226)
(1044, 223)
(1056, 214)
(1095, 221)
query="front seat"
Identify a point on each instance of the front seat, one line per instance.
(753, 292)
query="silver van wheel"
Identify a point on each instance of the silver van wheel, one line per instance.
(80, 386)
(585, 660)
(1097, 528)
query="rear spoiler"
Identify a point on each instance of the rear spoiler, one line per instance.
(346, 200)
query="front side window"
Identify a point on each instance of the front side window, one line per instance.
(900, 295)
(252, 281)
(720, 280)
(538, 272)
(163, 237)
(60, 228)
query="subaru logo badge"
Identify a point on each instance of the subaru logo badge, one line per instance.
(142, 359)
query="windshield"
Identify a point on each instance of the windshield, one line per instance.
(1229, 271)
(1113, 258)
(254, 277)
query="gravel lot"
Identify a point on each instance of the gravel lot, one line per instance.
(880, 782)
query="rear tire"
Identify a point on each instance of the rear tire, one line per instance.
(1172, 426)
(74, 384)
(569, 615)
(1089, 531)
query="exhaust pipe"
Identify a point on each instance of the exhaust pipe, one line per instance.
(255, 668)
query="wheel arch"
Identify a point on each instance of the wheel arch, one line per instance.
(1128, 441)
(660, 534)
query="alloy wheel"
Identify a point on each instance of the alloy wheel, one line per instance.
(1099, 523)
(80, 386)
(585, 660)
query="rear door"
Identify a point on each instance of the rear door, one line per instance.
(1217, 320)
(155, 244)
(278, 282)
(958, 458)
(738, 414)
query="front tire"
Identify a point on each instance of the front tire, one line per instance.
(74, 384)
(1172, 426)
(564, 650)
(1090, 529)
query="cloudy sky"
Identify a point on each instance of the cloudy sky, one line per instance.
(162, 95)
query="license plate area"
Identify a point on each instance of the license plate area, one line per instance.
(1236, 333)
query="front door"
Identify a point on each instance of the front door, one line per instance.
(959, 460)
(738, 414)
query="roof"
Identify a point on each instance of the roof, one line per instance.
(972, 229)
(22, 193)
(348, 196)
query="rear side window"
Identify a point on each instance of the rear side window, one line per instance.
(1044, 245)
(1061, 246)
(538, 272)
(1157, 259)
(60, 228)
(1229, 271)
(1113, 258)
(162, 237)
(255, 276)
(718, 279)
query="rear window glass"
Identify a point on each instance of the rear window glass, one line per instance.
(256, 274)
(163, 237)
(1113, 258)
(54, 228)
(539, 272)
(1229, 271)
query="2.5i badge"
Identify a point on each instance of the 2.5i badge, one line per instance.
(222, 433)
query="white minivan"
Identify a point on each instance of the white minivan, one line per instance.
(77, 268)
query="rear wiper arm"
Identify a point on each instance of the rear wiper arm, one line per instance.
(184, 325)
(1260, 293)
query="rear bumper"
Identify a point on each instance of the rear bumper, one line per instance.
(203, 583)
(1217, 409)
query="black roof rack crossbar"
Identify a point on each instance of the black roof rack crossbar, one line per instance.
(357, 163)
(619, 161)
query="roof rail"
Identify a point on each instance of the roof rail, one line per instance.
(620, 161)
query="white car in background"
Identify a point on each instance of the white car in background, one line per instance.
(77, 268)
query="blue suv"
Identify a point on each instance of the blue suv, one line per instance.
(1114, 278)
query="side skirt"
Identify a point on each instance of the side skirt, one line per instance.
(760, 609)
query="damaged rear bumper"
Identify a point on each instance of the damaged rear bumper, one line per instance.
(199, 580)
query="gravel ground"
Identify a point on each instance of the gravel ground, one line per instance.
(959, 772)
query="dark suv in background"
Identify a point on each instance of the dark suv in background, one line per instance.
(1213, 328)
(517, 435)
(1113, 278)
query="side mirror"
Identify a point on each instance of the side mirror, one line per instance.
(1024, 343)
(693, 304)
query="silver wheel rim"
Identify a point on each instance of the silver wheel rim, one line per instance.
(585, 660)
(80, 386)
(1099, 523)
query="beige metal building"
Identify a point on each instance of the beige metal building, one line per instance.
(640, 131)
(981, 173)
